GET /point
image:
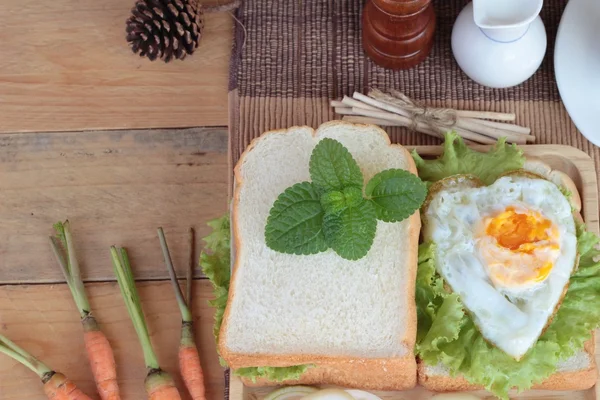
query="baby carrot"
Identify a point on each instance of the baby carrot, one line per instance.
(98, 349)
(56, 385)
(189, 359)
(159, 384)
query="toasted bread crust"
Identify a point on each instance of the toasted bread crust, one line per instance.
(373, 374)
(572, 380)
(567, 380)
(350, 371)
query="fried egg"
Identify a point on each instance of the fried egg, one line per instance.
(508, 250)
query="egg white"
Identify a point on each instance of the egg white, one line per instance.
(512, 319)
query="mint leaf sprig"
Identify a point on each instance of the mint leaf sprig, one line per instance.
(332, 211)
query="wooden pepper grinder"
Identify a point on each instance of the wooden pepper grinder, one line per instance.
(398, 34)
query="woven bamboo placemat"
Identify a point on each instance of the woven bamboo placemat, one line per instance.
(296, 56)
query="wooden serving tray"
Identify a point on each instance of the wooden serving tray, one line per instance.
(580, 167)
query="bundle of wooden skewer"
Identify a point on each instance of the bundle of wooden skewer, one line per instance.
(396, 109)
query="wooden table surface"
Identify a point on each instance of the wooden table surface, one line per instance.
(65, 65)
(67, 81)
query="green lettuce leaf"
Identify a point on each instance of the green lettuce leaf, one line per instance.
(457, 158)
(447, 335)
(274, 374)
(215, 261)
(429, 293)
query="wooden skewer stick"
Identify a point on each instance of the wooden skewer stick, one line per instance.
(383, 122)
(349, 101)
(364, 109)
(399, 120)
(470, 137)
(486, 115)
(459, 113)
(345, 111)
(491, 132)
(485, 130)
(358, 119)
(473, 136)
(422, 127)
(502, 125)
(381, 104)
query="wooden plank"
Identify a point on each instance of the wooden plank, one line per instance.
(66, 65)
(44, 320)
(116, 187)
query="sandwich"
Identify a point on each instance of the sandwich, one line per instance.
(508, 280)
(501, 293)
(324, 235)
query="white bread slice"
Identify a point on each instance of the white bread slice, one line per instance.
(320, 309)
(579, 372)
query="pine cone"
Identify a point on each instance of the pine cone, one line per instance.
(164, 29)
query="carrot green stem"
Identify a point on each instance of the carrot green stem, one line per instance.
(63, 267)
(186, 315)
(124, 275)
(189, 277)
(70, 268)
(12, 350)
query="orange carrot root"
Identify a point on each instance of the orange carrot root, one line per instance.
(191, 371)
(58, 387)
(102, 360)
(189, 363)
(160, 386)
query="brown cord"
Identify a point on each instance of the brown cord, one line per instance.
(433, 117)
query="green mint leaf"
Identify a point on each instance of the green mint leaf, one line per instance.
(350, 232)
(332, 166)
(335, 201)
(295, 223)
(353, 196)
(396, 194)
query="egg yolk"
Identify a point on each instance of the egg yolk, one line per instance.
(518, 232)
(519, 247)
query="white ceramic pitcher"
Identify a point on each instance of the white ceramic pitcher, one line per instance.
(499, 43)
